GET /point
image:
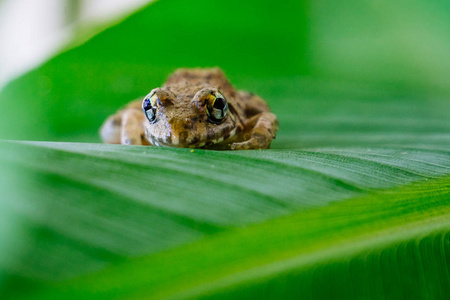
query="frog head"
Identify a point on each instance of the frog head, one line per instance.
(190, 118)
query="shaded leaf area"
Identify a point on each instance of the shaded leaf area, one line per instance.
(394, 244)
(86, 205)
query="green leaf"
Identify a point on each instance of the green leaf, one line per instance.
(351, 202)
(365, 250)
(87, 205)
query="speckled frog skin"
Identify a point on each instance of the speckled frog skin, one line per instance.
(195, 108)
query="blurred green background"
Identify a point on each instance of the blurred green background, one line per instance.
(382, 46)
(361, 89)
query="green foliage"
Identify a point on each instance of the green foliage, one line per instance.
(351, 202)
(201, 228)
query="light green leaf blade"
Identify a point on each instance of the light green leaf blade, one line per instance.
(331, 241)
(135, 211)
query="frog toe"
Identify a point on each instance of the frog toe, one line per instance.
(259, 140)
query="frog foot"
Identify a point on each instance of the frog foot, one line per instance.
(262, 134)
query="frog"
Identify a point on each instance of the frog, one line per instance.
(194, 108)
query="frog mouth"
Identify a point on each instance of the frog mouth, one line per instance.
(211, 142)
(185, 139)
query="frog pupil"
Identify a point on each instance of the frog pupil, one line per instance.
(219, 103)
(147, 104)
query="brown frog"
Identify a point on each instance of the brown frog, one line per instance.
(195, 108)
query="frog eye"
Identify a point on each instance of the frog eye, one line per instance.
(216, 107)
(150, 107)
